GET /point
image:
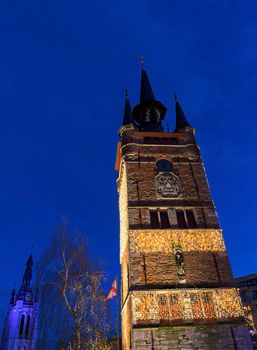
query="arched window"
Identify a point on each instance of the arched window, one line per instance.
(22, 324)
(163, 165)
(27, 326)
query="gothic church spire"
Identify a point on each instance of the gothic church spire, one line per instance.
(26, 286)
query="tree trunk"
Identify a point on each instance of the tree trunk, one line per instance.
(78, 339)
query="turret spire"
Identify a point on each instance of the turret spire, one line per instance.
(128, 115)
(181, 120)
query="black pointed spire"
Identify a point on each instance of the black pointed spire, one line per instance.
(146, 91)
(149, 113)
(26, 286)
(29, 261)
(128, 115)
(181, 120)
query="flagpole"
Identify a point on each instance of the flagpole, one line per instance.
(117, 317)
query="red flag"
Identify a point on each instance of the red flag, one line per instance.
(113, 292)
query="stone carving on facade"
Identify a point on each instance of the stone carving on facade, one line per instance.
(180, 263)
(167, 185)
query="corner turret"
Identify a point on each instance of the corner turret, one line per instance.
(181, 120)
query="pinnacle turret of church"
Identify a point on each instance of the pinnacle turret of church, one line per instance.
(12, 298)
(181, 120)
(128, 115)
(26, 286)
(150, 112)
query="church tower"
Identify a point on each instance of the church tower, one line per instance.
(19, 332)
(177, 284)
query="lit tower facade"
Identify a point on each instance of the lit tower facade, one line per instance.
(19, 332)
(177, 284)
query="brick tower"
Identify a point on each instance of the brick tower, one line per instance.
(177, 284)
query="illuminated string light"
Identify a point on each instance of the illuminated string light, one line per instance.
(191, 305)
(123, 203)
(152, 241)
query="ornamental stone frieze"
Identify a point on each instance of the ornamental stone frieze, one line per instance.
(167, 185)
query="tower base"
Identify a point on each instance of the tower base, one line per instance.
(202, 337)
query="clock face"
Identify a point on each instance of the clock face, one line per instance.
(28, 297)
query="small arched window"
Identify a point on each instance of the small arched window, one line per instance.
(164, 165)
(22, 324)
(27, 326)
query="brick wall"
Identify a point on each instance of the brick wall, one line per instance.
(148, 260)
(215, 337)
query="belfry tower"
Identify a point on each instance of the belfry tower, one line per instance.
(177, 284)
(19, 332)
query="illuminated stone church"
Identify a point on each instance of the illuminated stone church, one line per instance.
(177, 284)
(20, 326)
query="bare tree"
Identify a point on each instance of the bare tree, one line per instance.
(73, 312)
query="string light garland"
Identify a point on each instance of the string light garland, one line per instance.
(123, 203)
(186, 305)
(152, 241)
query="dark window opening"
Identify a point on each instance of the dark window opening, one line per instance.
(154, 219)
(164, 165)
(27, 326)
(164, 219)
(181, 219)
(254, 294)
(22, 324)
(159, 219)
(191, 219)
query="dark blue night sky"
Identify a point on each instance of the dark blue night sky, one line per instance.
(64, 66)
